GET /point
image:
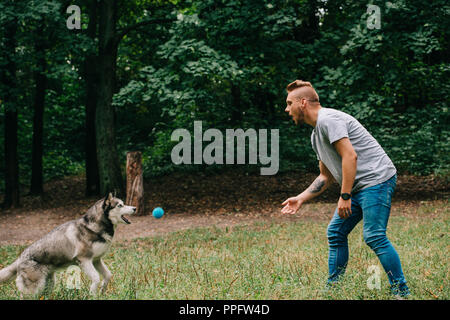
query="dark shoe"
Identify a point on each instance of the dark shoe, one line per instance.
(400, 291)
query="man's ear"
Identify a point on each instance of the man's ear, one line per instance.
(301, 104)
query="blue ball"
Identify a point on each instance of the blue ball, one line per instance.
(158, 212)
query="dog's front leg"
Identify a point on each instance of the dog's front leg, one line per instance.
(88, 267)
(104, 271)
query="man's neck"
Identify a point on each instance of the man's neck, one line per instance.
(313, 115)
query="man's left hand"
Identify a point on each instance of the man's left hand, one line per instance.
(344, 208)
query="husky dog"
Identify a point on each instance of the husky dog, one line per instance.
(81, 242)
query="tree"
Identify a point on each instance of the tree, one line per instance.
(109, 38)
(8, 83)
(91, 76)
(40, 79)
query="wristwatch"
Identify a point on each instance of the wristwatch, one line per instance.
(346, 196)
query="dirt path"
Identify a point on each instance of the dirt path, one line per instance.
(29, 227)
(23, 229)
(198, 201)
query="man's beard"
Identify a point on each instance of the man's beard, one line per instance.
(301, 118)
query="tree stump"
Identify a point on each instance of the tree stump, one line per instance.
(135, 182)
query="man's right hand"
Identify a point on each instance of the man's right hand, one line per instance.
(291, 205)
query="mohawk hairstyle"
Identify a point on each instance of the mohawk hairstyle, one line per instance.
(309, 92)
(298, 84)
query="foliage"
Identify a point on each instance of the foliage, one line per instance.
(227, 64)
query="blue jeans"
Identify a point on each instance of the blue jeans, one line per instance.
(373, 206)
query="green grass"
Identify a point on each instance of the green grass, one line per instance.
(266, 261)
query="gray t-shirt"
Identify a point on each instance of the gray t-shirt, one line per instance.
(373, 164)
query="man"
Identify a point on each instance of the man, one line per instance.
(348, 154)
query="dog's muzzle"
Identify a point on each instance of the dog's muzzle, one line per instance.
(125, 219)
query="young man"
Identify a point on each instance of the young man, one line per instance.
(348, 154)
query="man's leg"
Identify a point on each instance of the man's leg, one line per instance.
(376, 207)
(337, 233)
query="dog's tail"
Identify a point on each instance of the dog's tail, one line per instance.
(8, 272)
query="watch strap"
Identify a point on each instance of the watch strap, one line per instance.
(346, 196)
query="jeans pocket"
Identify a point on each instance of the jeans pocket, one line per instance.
(385, 193)
(393, 181)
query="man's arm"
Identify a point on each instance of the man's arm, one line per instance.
(320, 184)
(349, 159)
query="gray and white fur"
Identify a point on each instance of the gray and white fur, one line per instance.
(80, 242)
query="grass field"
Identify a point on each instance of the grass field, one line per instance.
(266, 261)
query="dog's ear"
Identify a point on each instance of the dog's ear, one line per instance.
(108, 196)
(107, 201)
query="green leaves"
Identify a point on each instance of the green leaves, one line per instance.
(227, 63)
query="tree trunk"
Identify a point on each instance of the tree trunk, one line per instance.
(12, 197)
(38, 120)
(107, 158)
(91, 76)
(8, 79)
(108, 161)
(135, 182)
(92, 175)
